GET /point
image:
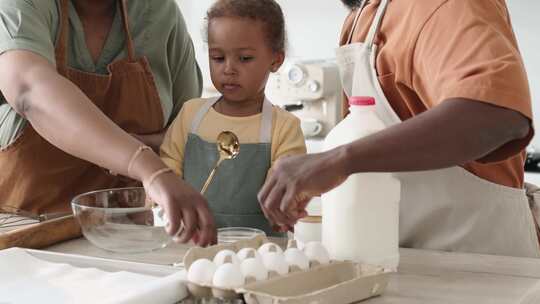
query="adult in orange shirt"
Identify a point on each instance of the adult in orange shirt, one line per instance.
(451, 86)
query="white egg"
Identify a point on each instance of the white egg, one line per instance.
(275, 261)
(228, 276)
(201, 272)
(269, 247)
(253, 267)
(316, 252)
(246, 253)
(222, 257)
(295, 257)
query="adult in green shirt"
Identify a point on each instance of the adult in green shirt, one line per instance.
(91, 84)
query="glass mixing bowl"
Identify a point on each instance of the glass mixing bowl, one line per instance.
(120, 220)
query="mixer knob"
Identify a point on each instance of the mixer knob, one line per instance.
(296, 75)
(313, 86)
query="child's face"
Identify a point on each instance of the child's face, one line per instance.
(240, 57)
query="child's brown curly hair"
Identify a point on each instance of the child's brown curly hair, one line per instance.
(267, 11)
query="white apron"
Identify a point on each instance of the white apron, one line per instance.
(448, 209)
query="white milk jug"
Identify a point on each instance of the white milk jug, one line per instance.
(360, 218)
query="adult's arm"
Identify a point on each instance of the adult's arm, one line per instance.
(454, 133)
(466, 68)
(60, 112)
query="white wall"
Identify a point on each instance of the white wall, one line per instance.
(527, 27)
(313, 27)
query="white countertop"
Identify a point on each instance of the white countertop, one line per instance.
(424, 276)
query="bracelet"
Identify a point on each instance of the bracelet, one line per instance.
(155, 175)
(134, 157)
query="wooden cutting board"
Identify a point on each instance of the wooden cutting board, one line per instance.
(42, 234)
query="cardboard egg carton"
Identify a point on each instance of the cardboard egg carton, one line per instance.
(337, 282)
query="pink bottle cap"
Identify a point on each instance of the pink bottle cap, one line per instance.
(361, 101)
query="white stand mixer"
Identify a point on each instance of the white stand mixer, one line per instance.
(311, 89)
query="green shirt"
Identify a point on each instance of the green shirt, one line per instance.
(159, 33)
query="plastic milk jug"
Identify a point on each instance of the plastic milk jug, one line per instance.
(360, 218)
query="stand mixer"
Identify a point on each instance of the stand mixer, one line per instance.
(310, 89)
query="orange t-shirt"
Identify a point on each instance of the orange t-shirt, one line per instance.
(434, 50)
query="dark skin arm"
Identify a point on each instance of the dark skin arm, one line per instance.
(456, 132)
(50, 102)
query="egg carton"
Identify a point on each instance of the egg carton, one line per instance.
(336, 282)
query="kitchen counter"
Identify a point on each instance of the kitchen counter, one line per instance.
(424, 276)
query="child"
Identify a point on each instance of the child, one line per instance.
(246, 40)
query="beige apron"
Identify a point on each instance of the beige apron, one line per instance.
(449, 209)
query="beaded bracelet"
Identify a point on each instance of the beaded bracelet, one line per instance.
(134, 157)
(155, 175)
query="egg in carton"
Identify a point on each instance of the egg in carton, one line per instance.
(309, 275)
(205, 288)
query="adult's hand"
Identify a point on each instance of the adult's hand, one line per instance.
(50, 102)
(188, 215)
(429, 141)
(297, 179)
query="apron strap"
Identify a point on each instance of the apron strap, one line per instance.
(533, 194)
(129, 38)
(61, 50)
(61, 42)
(266, 122)
(210, 102)
(265, 134)
(356, 18)
(370, 40)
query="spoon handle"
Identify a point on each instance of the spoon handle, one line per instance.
(210, 177)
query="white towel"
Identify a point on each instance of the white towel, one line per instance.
(26, 279)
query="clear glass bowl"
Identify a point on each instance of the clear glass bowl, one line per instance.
(120, 220)
(234, 234)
